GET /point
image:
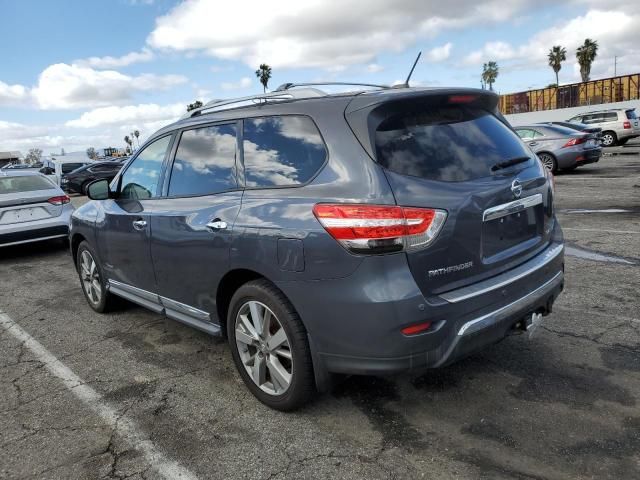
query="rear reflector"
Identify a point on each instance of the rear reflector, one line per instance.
(575, 141)
(61, 200)
(417, 328)
(380, 228)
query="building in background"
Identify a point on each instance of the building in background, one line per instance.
(7, 158)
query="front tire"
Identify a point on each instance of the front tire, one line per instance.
(269, 346)
(92, 279)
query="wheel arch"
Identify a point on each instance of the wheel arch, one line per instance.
(76, 240)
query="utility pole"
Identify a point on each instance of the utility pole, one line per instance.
(615, 66)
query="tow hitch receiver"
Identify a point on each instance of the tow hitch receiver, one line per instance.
(533, 323)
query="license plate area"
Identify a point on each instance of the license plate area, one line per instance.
(21, 215)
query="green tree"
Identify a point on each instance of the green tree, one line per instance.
(557, 55)
(91, 153)
(194, 105)
(490, 73)
(586, 54)
(33, 155)
(264, 74)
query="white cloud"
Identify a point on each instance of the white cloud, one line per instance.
(244, 82)
(63, 86)
(145, 55)
(439, 54)
(330, 35)
(130, 114)
(374, 68)
(13, 94)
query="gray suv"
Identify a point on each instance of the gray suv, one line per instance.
(618, 125)
(361, 233)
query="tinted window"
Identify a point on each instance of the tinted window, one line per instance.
(205, 161)
(286, 150)
(70, 167)
(446, 143)
(631, 114)
(140, 181)
(24, 184)
(610, 117)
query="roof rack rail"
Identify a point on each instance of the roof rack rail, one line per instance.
(287, 86)
(259, 98)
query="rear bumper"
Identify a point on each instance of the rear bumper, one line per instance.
(54, 227)
(590, 156)
(354, 323)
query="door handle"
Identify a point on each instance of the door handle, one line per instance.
(139, 224)
(217, 224)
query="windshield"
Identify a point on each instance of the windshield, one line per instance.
(446, 143)
(24, 184)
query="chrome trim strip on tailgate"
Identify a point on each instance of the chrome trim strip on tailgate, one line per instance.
(505, 278)
(516, 206)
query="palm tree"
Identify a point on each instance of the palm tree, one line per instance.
(490, 73)
(264, 74)
(557, 55)
(128, 142)
(137, 134)
(586, 54)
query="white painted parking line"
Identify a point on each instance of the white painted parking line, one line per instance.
(600, 230)
(125, 426)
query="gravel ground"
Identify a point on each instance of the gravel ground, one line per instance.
(133, 395)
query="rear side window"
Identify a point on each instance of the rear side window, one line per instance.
(24, 184)
(631, 114)
(70, 167)
(281, 151)
(610, 117)
(445, 143)
(205, 161)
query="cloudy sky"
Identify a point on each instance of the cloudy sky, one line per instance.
(81, 73)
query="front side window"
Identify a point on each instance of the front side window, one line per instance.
(205, 161)
(281, 151)
(524, 133)
(140, 181)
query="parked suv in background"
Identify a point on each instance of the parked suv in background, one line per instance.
(361, 233)
(618, 125)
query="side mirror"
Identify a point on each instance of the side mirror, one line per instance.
(98, 190)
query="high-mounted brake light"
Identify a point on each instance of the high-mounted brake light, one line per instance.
(626, 125)
(61, 200)
(574, 141)
(380, 228)
(457, 99)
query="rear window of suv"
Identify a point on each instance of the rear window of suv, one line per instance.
(631, 114)
(446, 143)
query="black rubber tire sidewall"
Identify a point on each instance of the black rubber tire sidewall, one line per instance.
(302, 385)
(104, 304)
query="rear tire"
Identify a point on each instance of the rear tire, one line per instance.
(609, 139)
(269, 346)
(92, 279)
(549, 161)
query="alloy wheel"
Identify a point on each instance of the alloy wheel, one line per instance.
(264, 348)
(607, 139)
(90, 278)
(547, 161)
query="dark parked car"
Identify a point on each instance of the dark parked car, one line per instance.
(78, 180)
(561, 148)
(361, 233)
(580, 127)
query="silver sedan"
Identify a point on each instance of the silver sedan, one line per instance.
(32, 208)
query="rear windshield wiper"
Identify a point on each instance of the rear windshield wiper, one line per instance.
(508, 163)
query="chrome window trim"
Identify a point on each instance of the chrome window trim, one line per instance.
(505, 278)
(515, 206)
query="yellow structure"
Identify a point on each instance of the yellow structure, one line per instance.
(594, 92)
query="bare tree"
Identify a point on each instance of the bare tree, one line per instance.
(33, 155)
(91, 153)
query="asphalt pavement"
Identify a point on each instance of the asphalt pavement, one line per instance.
(134, 395)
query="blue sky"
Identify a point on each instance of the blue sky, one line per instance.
(86, 73)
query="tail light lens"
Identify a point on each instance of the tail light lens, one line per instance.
(575, 141)
(59, 200)
(626, 125)
(379, 228)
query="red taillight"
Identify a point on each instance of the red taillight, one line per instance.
(457, 99)
(380, 228)
(59, 200)
(626, 125)
(417, 328)
(574, 141)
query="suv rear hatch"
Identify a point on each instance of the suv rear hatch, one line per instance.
(452, 150)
